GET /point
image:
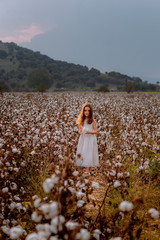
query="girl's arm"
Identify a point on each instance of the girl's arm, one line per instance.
(94, 128)
(80, 130)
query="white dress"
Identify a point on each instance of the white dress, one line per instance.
(87, 149)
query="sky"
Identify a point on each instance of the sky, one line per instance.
(109, 35)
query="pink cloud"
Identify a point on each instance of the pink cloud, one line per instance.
(24, 35)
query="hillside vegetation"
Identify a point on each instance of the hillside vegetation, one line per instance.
(18, 65)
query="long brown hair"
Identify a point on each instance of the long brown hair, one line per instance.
(80, 119)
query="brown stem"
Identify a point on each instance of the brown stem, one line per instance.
(100, 208)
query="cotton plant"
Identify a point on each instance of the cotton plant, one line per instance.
(126, 206)
(51, 218)
(153, 213)
(117, 176)
(38, 130)
(12, 192)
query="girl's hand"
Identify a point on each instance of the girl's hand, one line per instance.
(84, 130)
(80, 132)
(94, 132)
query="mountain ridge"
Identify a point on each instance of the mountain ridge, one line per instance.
(16, 63)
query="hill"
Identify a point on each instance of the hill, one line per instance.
(17, 64)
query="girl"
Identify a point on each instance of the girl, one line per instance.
(87, 149)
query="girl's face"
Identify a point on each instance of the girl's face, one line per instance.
(86, 112)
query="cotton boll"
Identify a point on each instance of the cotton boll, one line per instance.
(125, 184)
(34, 197)
(78, 184)
(153, 213)
(71, 225)
(80, 203)
(72, 190)
(43, 235)
(83, 234)
(23, 164)
(49, 210)
(66, 183)
(16, 169)
(37, 202)
(53, 238)
(13, 186)
(86, 180)
(112, 173)
(35, 217)
(119, 175)
(16, 198)
(4, 190)
(6, 230)
(14, 150)
(79, 194)
(117, 184)
(95, 185)
(139, 169)
(45, 208)
(32, 236)
(14, 222)
(118, 157)
(82, 186)
(126, 206)
(118, 164)
(60, 189)
(6, 222)
(57, 172)
(75, 173)
(39, 227)
(96, 234)
(33, 153)
(54, 178)
(121, 214)
(109, 230)
(19, 206)
(7, 164)
(2, 175)
(12, 206)
(48, 184)
(10, 168)
(16, 232)
(57, 224)
(144, 144)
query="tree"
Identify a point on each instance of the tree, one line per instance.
(39, 78)
(158, 87)
(103, 88)
(3, 54)
(90, 83)
(4, 87)
(128, 87)
(41, 87)
(59, 85)
(94, 72)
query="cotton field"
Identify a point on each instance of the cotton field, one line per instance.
(43, 196)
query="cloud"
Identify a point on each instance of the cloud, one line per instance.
(24, 35)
